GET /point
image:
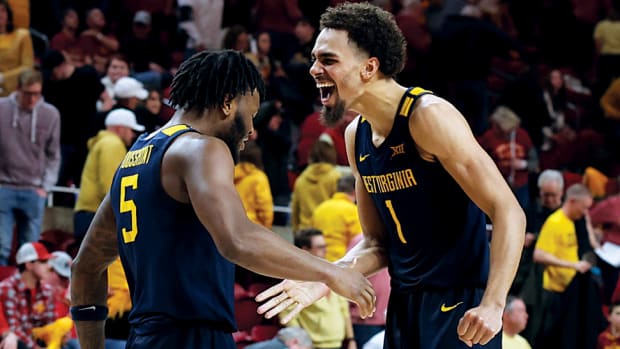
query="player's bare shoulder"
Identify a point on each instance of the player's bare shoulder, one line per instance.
(436, 124)
(430, 109)
(193, 147)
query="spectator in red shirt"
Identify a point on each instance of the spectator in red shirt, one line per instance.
(512, 150)
(67, 40)
(26, 301)
(312, 128)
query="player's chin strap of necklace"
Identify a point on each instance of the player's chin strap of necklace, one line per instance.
(89, 312)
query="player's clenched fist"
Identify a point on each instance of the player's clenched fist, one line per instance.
(479, 325)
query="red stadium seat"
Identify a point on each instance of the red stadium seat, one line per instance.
(240, 292)
(263, 332)
(245, 314)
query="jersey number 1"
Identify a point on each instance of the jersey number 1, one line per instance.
(129, 206)
(399, 230)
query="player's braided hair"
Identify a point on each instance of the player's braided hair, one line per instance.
(208, 78)
(373, 30)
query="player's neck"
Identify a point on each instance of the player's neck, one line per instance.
(379, 103)
(198, 123)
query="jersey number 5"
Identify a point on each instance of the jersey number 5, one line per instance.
(399, 230)
(129, 206)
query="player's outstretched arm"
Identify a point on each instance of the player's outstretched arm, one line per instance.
(89, 282)
(367, 257)
(442, 133)
(208, 178)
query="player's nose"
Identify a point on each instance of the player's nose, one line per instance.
(316, 69)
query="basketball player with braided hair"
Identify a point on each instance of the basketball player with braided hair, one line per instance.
(176, 220)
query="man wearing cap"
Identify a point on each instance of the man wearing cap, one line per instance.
(26, 301)
(105, 152)
(54, 335)
(128, 92)
(60, 264)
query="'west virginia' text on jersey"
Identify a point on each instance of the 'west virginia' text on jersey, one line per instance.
(172, 265)
(436, 234)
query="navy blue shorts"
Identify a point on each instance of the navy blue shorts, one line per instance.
(428, 319)
(178, 335)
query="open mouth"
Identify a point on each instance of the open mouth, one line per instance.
(326, 89)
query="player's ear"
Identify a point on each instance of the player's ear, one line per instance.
(228, 106)
(370, 68)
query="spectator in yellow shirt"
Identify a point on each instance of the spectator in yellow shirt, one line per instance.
(16, 52)
(514, 321)
(327, 321)
(558, 250)
(337, 218)
(106, 151)
(253, 186)
(315, 184)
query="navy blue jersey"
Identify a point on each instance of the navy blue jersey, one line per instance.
(172, 264)
(436, 236)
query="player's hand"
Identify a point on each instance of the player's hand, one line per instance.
(480, 324)
(354, 286)
(288, 292)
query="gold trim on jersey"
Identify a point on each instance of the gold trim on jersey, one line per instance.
(411, 97)
(418, 90)
(174, 129)
(404, 110)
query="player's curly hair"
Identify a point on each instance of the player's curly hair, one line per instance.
(373, 30)
(208, 78)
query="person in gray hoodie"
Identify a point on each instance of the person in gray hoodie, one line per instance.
(29, 160)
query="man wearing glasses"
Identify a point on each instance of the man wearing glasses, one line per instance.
(29, 160)
(550, 190)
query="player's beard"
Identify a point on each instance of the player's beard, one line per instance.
(234, 136)
(331, 116)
